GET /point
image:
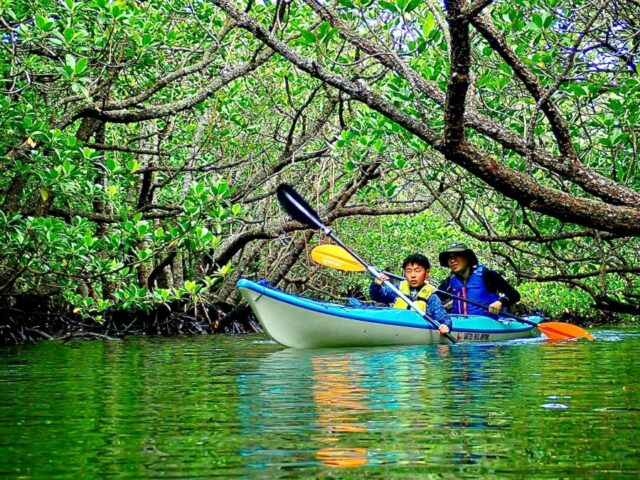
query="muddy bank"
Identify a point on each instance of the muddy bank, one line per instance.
(29, 319)
(32, 318)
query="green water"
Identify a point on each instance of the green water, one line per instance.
(224, 407)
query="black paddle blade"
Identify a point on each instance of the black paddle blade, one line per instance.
(296, 207)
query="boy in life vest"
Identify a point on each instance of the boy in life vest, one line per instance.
(416, 269)
(475, 282)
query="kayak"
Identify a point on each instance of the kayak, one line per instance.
(301, 322)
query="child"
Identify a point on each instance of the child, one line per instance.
(416, 269)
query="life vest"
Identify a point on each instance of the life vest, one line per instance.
(420, 299)
(473, 289)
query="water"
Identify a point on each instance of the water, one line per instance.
(224, 407)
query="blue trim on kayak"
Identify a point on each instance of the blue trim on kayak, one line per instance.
(401, 318)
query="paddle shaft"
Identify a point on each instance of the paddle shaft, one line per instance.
(336, 256)
(470, 302)
(486, 307)
(387, 283)
(298, 208)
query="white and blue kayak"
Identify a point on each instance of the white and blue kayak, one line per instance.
(300, 322)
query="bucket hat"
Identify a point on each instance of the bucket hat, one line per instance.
(457, 248)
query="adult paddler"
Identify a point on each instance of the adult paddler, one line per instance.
(472, 280)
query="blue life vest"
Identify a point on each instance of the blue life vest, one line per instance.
(473, 289)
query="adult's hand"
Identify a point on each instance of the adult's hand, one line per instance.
(495, 307)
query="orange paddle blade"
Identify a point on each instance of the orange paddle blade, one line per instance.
(563, 331)
(335, 256)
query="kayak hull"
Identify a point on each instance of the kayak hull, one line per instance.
(300, 322)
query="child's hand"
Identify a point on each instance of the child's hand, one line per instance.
(443, 329)
(383, 278)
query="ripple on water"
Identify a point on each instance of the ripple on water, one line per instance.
(555, 406)
(244, 407)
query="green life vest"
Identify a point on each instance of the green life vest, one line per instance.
(420, 299)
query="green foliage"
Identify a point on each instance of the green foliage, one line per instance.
(556, 300)
(98, 250)
(135, 212)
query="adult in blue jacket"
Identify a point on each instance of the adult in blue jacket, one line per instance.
(471, 280)
(416, 270)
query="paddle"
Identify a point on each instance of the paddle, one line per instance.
(334, 256)
(299, 210)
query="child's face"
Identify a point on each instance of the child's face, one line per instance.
(415, 274)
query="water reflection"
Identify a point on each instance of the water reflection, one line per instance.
(340, 400)
(356, 406)
(237, 407)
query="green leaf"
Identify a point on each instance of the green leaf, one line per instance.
(69, 34)
(402, 5)
(40, 22)
(70, 62)
(413, 4)
(428, 24)
(81, 66)
(143, 254)
(133, 166)
(308, 36)
(67, 167)
(89, 239)
(537, 20)
(191, 286)
(389, 6)
(143, 228)
(379, 146)
(44, 24)
(88, 153)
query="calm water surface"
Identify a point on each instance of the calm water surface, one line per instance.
(244, 407)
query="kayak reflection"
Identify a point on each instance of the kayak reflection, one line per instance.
(354, 408)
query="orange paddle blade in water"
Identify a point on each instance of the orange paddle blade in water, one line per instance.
(563, 331)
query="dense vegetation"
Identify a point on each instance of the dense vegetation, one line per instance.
(142, 143)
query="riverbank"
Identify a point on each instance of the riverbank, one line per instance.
(33, 318)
